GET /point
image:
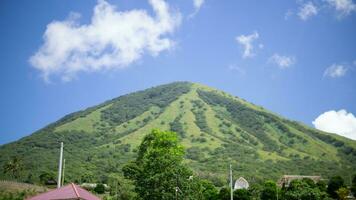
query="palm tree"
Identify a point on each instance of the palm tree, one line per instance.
(13, 167)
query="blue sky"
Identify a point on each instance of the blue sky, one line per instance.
(295, 58)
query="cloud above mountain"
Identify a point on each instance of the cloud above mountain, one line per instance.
(340, 122)
(198, 4)
(342, 7)
(283, 62)
(246, 41)
(307, 10)
(112, 40)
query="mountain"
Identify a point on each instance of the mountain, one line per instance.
(215, 128)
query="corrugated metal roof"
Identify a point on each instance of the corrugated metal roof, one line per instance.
(70, 191)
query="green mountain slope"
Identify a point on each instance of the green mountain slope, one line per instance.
(215, 128)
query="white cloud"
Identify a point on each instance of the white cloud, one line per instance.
(307, 10)
(335, 71)
(238, 69)
(112, 40)
(339, 122)
(198, 4)
(283, 62)
(246, 41)
(343, 7)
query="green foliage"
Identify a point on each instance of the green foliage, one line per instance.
(222, 129)
(199, 139)
(100, 188)
(13, 167)
(269, 191)
(342, 193)
(250, 139)
(19, 195)
(195, 153)
(242, 194)
(130, 106)
(46, 177)
(224, 194)
(247, 118)
(334, 184)
(321, 186)
(353, 185)
(158, 169)
(200, 119)
(342, 147)
(122, 189)
(13, 190)
(209, 191)
(255, 190)
(303, 189)
(177, 126)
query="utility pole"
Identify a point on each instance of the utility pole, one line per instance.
(117, 190)
(60, 166)
(231, 188)
(177, 188)
(176, 193)
(64, 167)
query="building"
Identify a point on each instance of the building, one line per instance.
(68, 192)
(241, 183)
(286, 179)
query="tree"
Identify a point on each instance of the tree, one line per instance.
(208, 190)
(309, 182)
(224, 194)
(303, 189)
(342, 193)
(29, 179)
(322, 186)
(158, 171)
(121, 188)
(13, 167)
(269, 191)
(99, 188)
(242, 194)
(255, 190)
(353, 185)
(86, 178)
(334, 184)
(47, 177)
(200, 189)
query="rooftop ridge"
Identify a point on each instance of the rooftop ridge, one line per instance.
(75, 190)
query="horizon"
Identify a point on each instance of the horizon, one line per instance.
(295, 59)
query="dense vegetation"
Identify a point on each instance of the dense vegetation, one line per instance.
(250, 120)
(130, 106)
(158, 172)
(177, 126)
(215, 128)
(18, 191)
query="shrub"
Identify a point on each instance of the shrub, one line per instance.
(100, 188)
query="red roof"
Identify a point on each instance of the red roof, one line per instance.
(71, 191)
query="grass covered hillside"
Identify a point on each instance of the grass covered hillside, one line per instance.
(214, 127)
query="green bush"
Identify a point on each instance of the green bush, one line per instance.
(100, 188)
